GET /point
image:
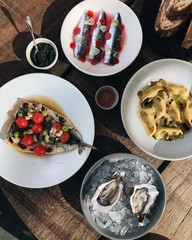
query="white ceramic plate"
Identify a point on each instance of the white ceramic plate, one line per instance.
(172, 70)
(38, 172)
(133, 39)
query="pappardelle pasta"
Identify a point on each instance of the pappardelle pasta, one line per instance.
(165, 109)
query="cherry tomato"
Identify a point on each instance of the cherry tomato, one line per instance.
(115, 60)
(102, 21)
(65, 137)
(86, 49)
(57, 126)
(72, 45)
(107, 36)
(90, 13)
(76, 30)
(22, 122)
(37, 128)
(99, 43)
(94, 61)
(27, 140)
(39, 150)
(38, 117)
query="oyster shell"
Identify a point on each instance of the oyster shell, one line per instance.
(142, 200)
(108, 194)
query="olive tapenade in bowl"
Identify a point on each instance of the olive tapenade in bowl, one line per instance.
(47, 55)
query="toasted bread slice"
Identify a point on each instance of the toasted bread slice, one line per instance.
(165, 26)
(50, 135)
(178, 8)
(187, 42)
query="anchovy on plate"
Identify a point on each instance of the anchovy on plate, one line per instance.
(98, 38)
(81, 39)
(113, 44)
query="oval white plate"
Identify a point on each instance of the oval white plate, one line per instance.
(131, 46)
(38, 172)
(172, 70)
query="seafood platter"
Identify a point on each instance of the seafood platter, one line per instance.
(98, 39)
(123, 196)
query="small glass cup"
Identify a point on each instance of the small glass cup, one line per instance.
(107, 97)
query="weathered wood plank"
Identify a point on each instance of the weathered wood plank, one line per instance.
(178, 180)
(47, 214)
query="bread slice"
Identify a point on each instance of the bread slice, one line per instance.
(53, 126)
(166, 26)
(178, 8)
(187, 42)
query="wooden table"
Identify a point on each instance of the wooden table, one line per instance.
(55, 213)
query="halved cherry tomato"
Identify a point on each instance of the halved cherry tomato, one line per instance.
(21, 122)
(37, 128)
(86, 49)
(39, 150)
(38, 117)
(72, 45)
(27, 140)
(94, 61)
(56, 126)
(90, 13)
(76, 30)
(65, 137)
(102, 21)
(88, 36)
(107, 36)
(99, 43)
(115, 60)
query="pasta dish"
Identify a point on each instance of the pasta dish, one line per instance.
(165, 109)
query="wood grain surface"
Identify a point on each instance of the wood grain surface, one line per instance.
(55, 213)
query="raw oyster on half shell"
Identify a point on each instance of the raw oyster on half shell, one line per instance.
(108, 194)
(142, 200)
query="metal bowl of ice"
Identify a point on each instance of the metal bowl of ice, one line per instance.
(123, 196)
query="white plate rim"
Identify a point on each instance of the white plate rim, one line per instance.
(133, 34)
(138, 81)
(45, 171)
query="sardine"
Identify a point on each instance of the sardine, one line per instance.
(112, 44)
(98, 37)
(81, 40)
(76, 139)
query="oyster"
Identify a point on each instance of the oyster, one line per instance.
(108, 194)
(142, 199)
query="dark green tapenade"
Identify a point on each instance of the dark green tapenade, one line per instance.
(45, 56)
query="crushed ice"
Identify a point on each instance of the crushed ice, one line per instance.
(119, 219)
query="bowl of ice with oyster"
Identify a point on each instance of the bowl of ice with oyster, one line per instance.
(123, 196)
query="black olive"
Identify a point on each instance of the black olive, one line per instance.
(147, 103)
(49, 149)
(22, 146)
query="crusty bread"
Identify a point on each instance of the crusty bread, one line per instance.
(178, 8)
(165, 25)
(187, 42)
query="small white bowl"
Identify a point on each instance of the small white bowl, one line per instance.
(30, 47)
(107, 97)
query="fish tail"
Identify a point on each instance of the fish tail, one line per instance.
(83, 145)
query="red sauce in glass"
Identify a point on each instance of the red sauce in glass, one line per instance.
(106, 97)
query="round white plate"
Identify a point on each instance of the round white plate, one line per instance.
(28, 170)
(172, 70)
(133, 38)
